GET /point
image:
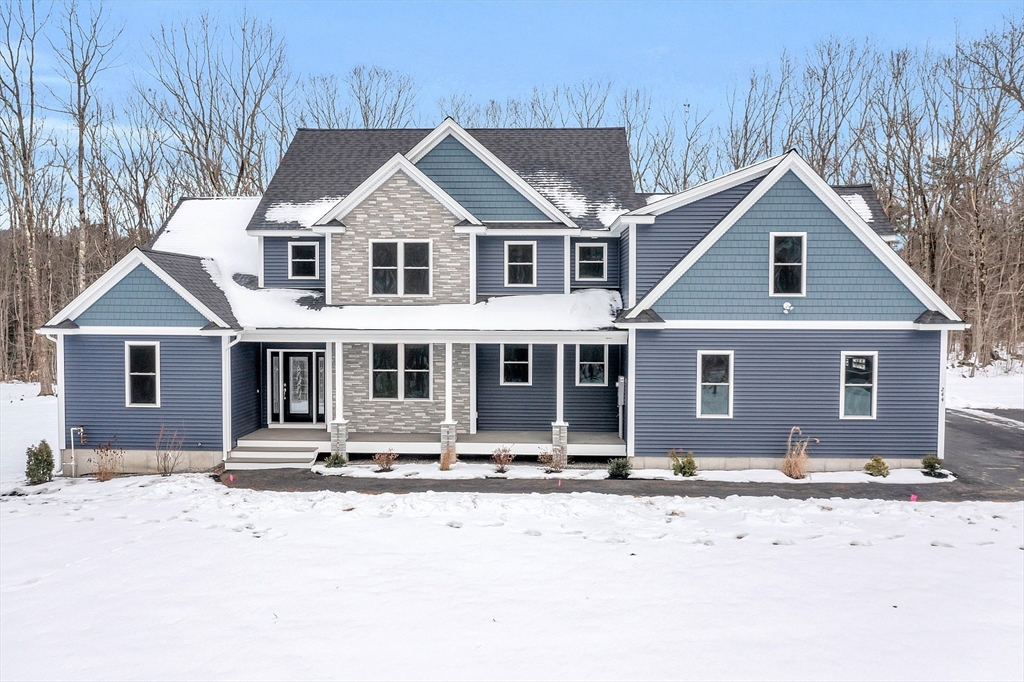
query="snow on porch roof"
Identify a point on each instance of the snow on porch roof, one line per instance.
(214, 229)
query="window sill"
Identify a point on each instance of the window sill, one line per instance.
(714, 416)
(857, 418)
(143, 405)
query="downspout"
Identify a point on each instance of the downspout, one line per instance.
(225, 383)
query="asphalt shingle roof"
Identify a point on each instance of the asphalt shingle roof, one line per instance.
(593, 162)
(188, 271)
(864, 200)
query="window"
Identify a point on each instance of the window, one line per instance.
(858, 397)
(591, 365)
(789, 258)
(303, 260)
(400, 371)
(142, 374)
(516, 364)
(520, 264)
(714, 374)
(400, 268)
(590, 262)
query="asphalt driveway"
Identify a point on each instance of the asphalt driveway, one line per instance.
(987, 455)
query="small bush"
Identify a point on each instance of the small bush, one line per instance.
(448, 459)
(877, 467)
(502, 459)
(39, 464)
(168, 452)
(683, 463)
(932, 466)
(335, 459)
(619, 467)
(107, 459)
(554, 461)
(384, 460)
(794, 464)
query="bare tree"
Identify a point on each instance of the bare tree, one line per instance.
(586, 101)
(324, 103)
(383, 98)
(461, 109)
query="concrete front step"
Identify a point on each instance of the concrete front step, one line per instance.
(249, 457)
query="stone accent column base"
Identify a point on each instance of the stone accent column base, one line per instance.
(339, 439)
(560, 436)
(448, 435)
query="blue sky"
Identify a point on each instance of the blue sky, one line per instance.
(681, 51)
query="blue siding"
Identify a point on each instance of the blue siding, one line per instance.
(472, 183)
(245, 390)
(190, 393)
(141, 299)
(490, 265)
(845, 281)
(611, 265)
(591, 408)
(515, 408)
(661, 245)
(784, 379)
(624, 266)
(275, 264)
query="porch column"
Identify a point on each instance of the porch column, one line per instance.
(559, 428)
(339, 425)
(448, 436)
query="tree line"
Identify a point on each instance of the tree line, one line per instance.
(86, 175)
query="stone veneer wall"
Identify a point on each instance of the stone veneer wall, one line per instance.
(406, 416)
(399, 209)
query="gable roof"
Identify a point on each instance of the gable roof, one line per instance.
(791, 161)
(583, 172)
(864, 200)
(188, 271)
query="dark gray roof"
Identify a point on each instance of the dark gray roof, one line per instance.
(646, 316)
(868, 207)
(932, 317)
(188, 271)
(332, 163)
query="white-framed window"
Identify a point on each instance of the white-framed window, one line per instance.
(401, 267)
(591, 365)
(858, 391)
(142, 373)
(516, 364)
(787, 274)
(303, 260)
(591, 262)
(400, 371)
(714, 384)
(520, 264)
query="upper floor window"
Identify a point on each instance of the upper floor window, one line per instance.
(858, 398)
(520, 264)
(303, 260)
(400, 371)
(591, 365)
(516, 364)
(789, 260)
(400, 268)
(714, 378)
(142, 374)
(591, 260)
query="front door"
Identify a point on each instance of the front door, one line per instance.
(297, 389)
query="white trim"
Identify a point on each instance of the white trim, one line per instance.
(943, 358)
(327, 265)
(472, 388)
(225, 395)
(577, 368)
(792, 162)
(842, 384)
(472, 267)
(520, 232)
(401, 373)
(700, 382)
(139, 331)
(339, 378)
(395, 164)
(448, 382)
(559, 382)
(127, 373)
(115, 274)
(631, 395)
(632, 266)
(772, 264)
(450, 127)
(62, 441)
(615, 337)
(737, 177)
(566, 266)
(823, 325)
(316, 260)
(604, 260)
(529, 365)
(400, 272)
(259, 276)
(508, 243)
(328, 383)
(301, 234)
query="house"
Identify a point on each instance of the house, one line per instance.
(427, 289)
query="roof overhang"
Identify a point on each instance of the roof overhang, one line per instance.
(594, 336)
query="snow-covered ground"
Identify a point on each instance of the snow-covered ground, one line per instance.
(992, 387)
(25, 419)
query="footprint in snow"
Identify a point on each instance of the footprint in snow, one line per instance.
(740, 536)
(783, 542)
(574, 532)
(860, 543)
(941, 544)
(454, 524)
(534, 533)
(615, 540)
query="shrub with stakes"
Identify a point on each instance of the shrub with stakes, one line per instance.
(554, 461)
(502, 458)
(619, 467)
(683, 463)
(384, 460)
(877, 467)
(39, 464)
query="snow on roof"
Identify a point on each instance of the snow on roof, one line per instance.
(858, 204)
(567, 197)
(214, 229)
(304, 213)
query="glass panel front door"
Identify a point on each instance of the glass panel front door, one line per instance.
(297, 387)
